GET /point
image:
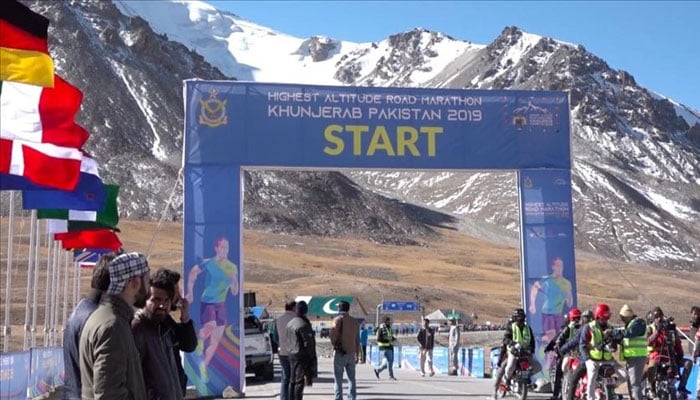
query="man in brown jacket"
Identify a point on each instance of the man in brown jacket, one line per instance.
(109, 362)
(345, 338)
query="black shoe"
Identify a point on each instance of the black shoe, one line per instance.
(376, 373)
(392, 378)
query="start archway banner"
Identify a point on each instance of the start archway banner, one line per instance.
(230, 126)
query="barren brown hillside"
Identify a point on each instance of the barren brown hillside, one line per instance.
(455, 271)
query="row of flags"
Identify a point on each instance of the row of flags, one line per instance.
(41, 146)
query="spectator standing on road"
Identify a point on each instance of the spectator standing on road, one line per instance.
(183, 334)
(281, 325)
(110, 367)
(453, 344)
(426, 342)
(364, 338)
(301, 345)
(346, 346)
(385, 342)
(154, 341)
(75, 323)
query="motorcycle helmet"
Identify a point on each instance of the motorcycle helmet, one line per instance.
(518, 315)
(574, 313)
(587, 316)
(602, 312)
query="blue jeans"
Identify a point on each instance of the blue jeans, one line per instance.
(387, 361)
(345, 362)
(286, 371)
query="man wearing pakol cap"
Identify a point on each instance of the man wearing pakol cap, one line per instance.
(109, 361)
(633, 349)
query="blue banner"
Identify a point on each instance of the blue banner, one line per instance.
(232, 125)
(46, 371)
(263, 124)
(549, 265)
(14, 375)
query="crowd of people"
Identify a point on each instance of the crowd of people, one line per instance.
(121, 341)
(641, 344)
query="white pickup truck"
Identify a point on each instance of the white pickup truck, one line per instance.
(258, 349)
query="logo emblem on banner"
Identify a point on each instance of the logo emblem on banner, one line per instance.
(213, 110)
(532, 116)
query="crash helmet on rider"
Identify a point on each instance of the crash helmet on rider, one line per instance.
(518, 315)
(574, 314)
(656, 313)
(587, 316)
(601, 313)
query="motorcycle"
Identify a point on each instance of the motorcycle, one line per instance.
(605, 384)
(521, 376)
(666, 379)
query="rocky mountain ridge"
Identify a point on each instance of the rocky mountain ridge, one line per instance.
(636, 175)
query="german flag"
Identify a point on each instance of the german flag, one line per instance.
(24, 50)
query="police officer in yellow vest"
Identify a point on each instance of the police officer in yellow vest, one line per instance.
(517, 333)
(385, 342)
(592, 347)
(633, 349)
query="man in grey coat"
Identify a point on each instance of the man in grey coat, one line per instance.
(109, 362)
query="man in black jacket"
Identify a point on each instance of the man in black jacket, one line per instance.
(74, 325)
(426, 342)
(154, 341)
(520, 334)
(301, 345)
(184, 335)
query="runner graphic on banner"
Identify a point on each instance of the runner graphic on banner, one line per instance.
(549, 287)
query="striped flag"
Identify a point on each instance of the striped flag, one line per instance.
(42, 115)
(24, 50)
(41, 163)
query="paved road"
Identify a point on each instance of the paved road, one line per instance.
(408, 386)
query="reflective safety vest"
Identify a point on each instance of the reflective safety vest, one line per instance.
(521, 336)
(651, 329)
(389, 338)
(634, 346)
(596, 342)
(572, 331)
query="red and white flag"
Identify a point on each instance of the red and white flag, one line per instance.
(41, 114)
(42, 163)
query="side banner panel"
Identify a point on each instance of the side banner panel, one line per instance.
(549, 265)
(14, 375)
(213, 277)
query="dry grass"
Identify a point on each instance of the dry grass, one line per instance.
(455, 271)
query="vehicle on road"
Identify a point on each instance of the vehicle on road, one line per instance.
(258, 349)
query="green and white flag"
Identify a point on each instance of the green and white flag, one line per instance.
(58, 221)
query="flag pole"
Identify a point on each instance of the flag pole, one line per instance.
(66, 270)
(47, 300)
(74, 289)
(30, 272)
(35, 249)
(6, 330)
(54, 304)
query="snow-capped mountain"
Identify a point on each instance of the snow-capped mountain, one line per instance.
(636, 153)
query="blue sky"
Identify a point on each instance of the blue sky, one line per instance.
(658, 42)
